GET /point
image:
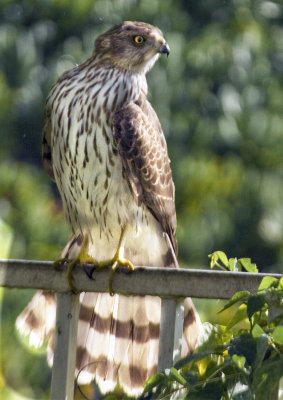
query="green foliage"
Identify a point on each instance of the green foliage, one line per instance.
(232, 364)
(35, 219)
(220, 260)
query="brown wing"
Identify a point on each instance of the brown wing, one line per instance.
(146, 164)
(46, 144)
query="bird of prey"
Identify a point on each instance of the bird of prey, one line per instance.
(104, 147)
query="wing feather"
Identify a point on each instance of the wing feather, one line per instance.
(146, 165)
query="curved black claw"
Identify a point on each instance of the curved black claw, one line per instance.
(89, 271)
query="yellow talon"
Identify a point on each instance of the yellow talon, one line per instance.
(84, 258)
(114, 262)
(70, 277)
(118, 261)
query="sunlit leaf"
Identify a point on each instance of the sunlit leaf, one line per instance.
(212, 337)
(248, 265)
(218, 256)
(240, 315)
(234, 265)
(238, 296)
(192, 357)
(239, 361)
(222, 257)
(278, 335)
(174, 374)
(202, 365)
(153, 382)
(257, 331)
(266, 282)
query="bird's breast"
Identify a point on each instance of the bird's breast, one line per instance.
(86, 162)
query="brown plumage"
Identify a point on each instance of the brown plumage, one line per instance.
(104, 146)
(146, 165)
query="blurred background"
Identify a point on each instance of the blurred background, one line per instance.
(219, 97)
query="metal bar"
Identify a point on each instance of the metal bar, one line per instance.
(178, 331)
(171, 331)
(163, 282)
(166, 336)
(63, 371)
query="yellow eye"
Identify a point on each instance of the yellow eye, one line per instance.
(139, 39)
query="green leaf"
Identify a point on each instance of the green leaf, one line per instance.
(211, 391)
(266, 282)
(211, 337)
(238, 296)
(278, 335)
(240, 315)
(234, 265)
(244, 345)
(248, 265)
(222, 257)
(192, 357)
(192, 377)
(266, 379)
(281, 283)
(257, 331)
(177, 376)
(153, 382)
(255, 303)
(261, 349)
(239, 361)
(214, 259)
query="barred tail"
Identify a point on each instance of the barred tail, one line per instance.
(118, 336)
(118, 339)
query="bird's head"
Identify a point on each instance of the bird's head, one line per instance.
(133, 46)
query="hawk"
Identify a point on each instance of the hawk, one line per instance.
(104, 147)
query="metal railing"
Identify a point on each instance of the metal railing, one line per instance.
(171, 284)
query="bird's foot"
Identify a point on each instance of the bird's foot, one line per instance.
(71, 265)
(82, 258)
(118, 260)
(115, 262)
(59, 263)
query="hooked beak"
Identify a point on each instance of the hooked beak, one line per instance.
(164, 49)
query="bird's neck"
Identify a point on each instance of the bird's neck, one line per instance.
(118, 85)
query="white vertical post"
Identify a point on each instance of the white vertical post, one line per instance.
(63, 371)
(171, 331)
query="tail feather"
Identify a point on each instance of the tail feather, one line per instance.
(191, 328)
(37, 321)
(123, 347)
(118, 336)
